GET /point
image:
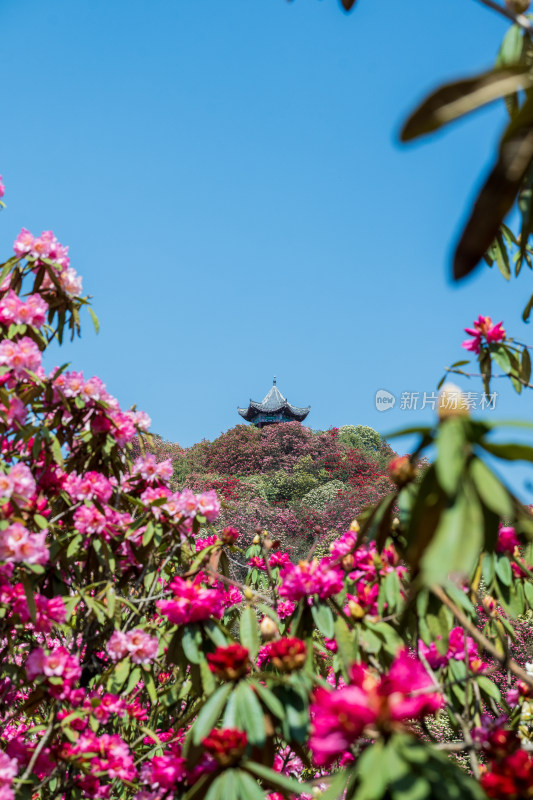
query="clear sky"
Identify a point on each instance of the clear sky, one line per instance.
(228, 176)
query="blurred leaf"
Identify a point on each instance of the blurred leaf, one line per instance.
(510, 452)
(269, 699)
(491, 490)
(247, 787)
(457, 542)
(94, 319)
(525, 365)
(277, 780)
(324, 620)
(498, 193)
(249, 631)
(454, 100)
(210, 712)
(251, 714)
(527, 310)
(451, 454)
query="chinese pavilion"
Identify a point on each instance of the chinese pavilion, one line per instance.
(272, 409)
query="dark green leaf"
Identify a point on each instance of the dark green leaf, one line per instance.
(250, 631)
(492, 492)
(251, 714)
(451, 454)
(454, 100)
(324, 620)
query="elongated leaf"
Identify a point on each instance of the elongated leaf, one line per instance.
(490, 489)
(451, 454)
(454, 100)
(250, 631)
(277, 780)
(247, 787)
(525, 365)
(251, 714)
(269, 699)
(510, 452)
(210, 713)
(498, 193)
(324, 620)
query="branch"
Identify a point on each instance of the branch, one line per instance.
(519, 19)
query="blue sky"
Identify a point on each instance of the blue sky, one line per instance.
(228, 176)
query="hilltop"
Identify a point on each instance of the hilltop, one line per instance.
(297, 483)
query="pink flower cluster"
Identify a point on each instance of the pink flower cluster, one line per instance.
(139, 645)
(310, 578)
(341, 716)
(2, 187)
(460, 648)
(18, 545)
(107, 754)
(8, 770)
(46, 246)
(15, 311)
(20, 356)
(48, 611)
(152, 471)
(191, 602)
(57, 664)
(88, 520)
(89, 486)
(483, 328)
(18, 484)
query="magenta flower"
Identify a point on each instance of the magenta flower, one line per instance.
(507, 540)
(191, 603)
(341, 716)
(310, 578)
(483, 328)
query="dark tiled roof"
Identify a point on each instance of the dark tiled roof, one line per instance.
(274, 403)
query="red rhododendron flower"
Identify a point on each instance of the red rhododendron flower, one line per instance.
(229, 663)
(287, 654)
(226, 745)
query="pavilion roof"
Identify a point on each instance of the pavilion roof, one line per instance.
(274, 403)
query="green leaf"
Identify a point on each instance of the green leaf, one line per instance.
(210, 712)
(498, 193)
(489, 688)
(269, 699)
(277, 780)
(454, 100)
(492, 492)
(118, 676)
(249, 630)
(324, 620)
(94, 319)
(192, 642)
(527, 310)
(510, 451)
(30, 597)
(451, 454)
(247, 787)
(150, 686)
(251, 714)
(525, 365)
(503, 570)
(511, 48)
(457, 542)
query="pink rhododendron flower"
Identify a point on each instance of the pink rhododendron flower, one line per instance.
(341, 716)
(209, 505)
(13, 310)
(139, 645)
(20, 356)
(309, 578)
(507, 540)
(18, 545)
(56, 664)
(483, 328)
(191, 603)
(2, 187)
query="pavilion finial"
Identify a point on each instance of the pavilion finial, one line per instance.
(274, 382)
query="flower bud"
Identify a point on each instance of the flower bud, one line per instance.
(354, 526)
(451, 402)
(356, 611)
(490, 606)
(256, 539)
(229, 535)
(402, 471)
(517, 6)
(248, 593)
(269, 629)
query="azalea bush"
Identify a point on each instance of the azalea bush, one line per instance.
(138, 664)
(154, 647)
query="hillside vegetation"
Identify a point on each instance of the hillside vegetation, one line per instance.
(299, 484)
